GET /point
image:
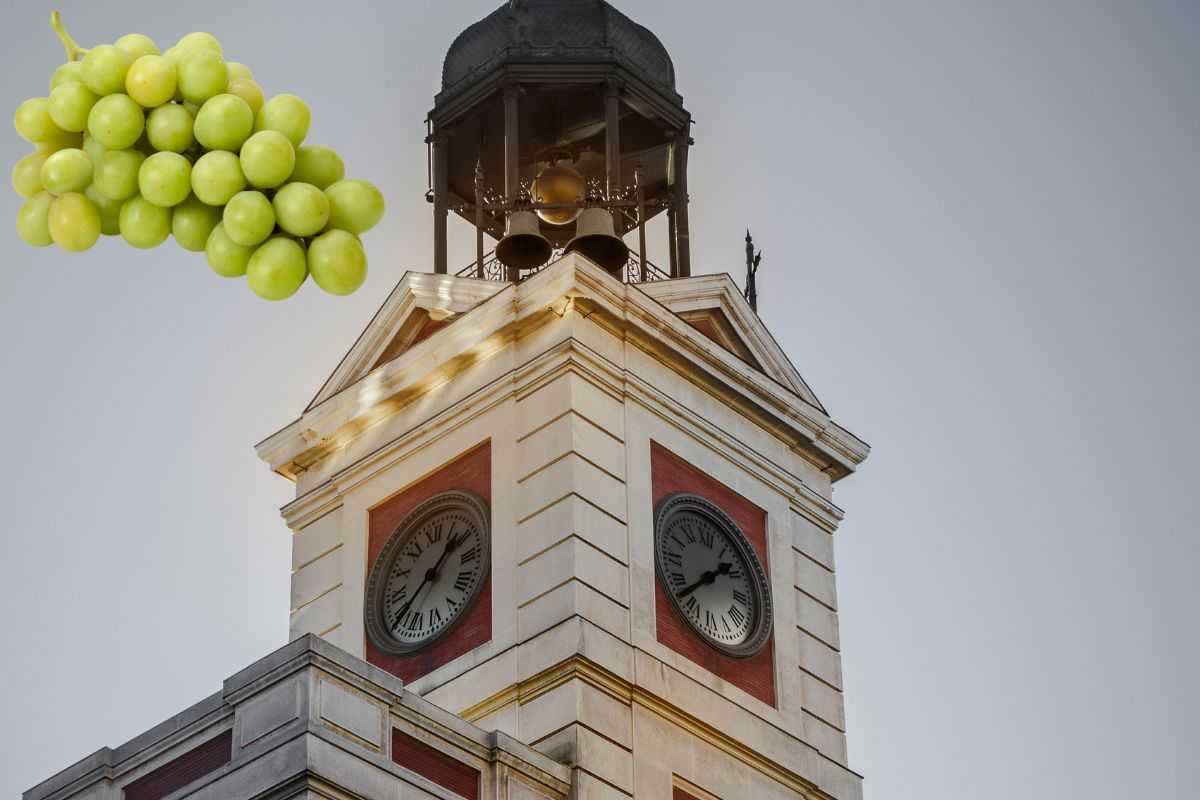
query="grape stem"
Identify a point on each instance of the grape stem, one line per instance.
(74, 51)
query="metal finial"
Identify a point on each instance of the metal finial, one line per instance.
(752, 262)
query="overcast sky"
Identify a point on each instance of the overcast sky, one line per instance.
(981, 224)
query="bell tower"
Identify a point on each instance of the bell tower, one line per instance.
(564, 521)
(558, 128)
(566, 494)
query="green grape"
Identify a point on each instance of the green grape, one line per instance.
(169, 127)
(249, 91)
(110, 211)
(116, 174)
(116, 122)
(337, 262)
(268, 159)
(286, 114)
(199, 39)
(70, 72)
(165, 179)
(137, 45)
(226, 257)
(192, 223)
(202, 75)
(94, 149)
(238, 72)
(33, 121)
(318, 165)
(66, 171)
(301, 208)
(277, 269)
(144, 224)
(249, 218)
(60, 142)
(224, 123)
(354, 206)
(33, 220)
(104, 69)
(151, 81)
(217, 177)
(73, 222)
(27, 174)
(69, 106)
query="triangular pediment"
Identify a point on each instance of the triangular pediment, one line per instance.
(714, 306)
(433, 328)
(419, 306)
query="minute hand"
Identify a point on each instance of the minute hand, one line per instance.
(708, 577)
(430, 576)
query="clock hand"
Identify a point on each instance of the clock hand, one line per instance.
(708, 577)
(431, 575)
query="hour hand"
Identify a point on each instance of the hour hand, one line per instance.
(708, 577)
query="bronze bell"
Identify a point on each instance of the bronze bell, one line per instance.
(523, 246)
(596, 240)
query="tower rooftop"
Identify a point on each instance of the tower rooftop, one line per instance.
(560, 32)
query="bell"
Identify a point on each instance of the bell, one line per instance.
(523, 246)
(595, 239)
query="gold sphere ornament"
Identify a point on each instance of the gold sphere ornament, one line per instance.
(558, 184)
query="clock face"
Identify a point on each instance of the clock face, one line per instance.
(429, 572)
(711, 574)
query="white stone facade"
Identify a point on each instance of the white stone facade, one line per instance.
(571, 375)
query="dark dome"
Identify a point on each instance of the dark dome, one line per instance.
(557, 31)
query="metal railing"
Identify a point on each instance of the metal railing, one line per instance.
(493, 270)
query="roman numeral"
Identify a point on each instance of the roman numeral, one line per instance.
(463, 581)
(451, 605)
(415, 551)
(677, 578)
(724, 550)
(435, 616)
(675, 539)
(737, 616)
(691, 537)
(709, 620)
(434, 533)
(708, 537)
(725, 622)
(675, 559)
(416, 621)
(469, 555)
(741, 597)
(735, 573)
(692, 605)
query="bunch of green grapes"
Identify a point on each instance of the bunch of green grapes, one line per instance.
(146, 145)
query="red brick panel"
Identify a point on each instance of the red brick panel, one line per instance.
(680, 794)
(444, 770)
(471, 471)
(756, 674)
(193, 764)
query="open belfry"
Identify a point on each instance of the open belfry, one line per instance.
(563, 524)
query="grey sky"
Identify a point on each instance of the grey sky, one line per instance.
(981, 225)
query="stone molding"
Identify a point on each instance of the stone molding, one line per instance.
(309, 712)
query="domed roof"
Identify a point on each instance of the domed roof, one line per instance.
(557, 31)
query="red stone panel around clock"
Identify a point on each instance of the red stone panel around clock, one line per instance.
(471, 471)
(428, 762)
(755, 675)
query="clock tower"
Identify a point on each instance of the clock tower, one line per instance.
(563, 517)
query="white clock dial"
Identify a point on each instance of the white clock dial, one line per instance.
(429, 573)
(711, 575)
